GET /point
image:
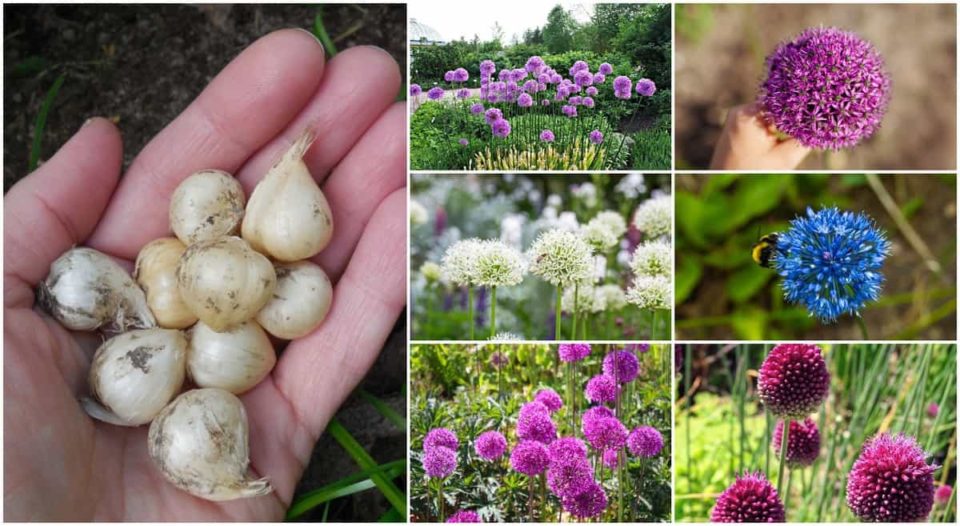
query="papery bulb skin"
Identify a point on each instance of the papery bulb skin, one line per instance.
(206, 205)
(235, 360)
(300, 301)
(156, 272)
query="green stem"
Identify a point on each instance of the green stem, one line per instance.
(573, 415)
(440, 503)
(653, 324)
(609, 327)
(783, 460)
(543, 497)
(863, 327)
(786, 495)
(556, 330)
(586, 320)
(576, 309)
(620, 486)
(470, 311)
(493, 312)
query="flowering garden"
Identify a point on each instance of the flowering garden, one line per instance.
(537, 433)
(484, 107)
(541, 257)
(870, 432)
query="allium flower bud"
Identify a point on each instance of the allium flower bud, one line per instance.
(891, 481)
(560, 258)
(942, 495)
(803, 445)
(794, 380)
(530, 458)
(645, 441)
(751, 498)
(490, 445)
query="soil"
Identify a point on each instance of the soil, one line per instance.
(141, 66)
(720, 52)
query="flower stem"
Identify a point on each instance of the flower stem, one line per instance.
(783, 461)
(543, 497)
(620, 459)
(556, 331)
(653, 324)
(470, 312)
(573, 414)
(440, 503)
(786, 494)
(576, 307)
(863, 327)
(493, 312)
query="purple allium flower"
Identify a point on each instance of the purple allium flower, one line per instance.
(461, 75)
(592, 91)
(545, 102)
(543, 78)
(567, 449)
(504, 75)
(464, 142)
(583, 78)
(547, 135)
(498, 359)
(588, 503)
(464, 516)
(439, 462)
(605, 433)
(596, 137)
(599, 78)
(534, 63)
(487, 67)
(639, 348)
(490, 445)
(531, 86)
(533, 407)
(942, 495)
(569, 476)
(549, 398)
(622, 366)
(476, 108)
(891, 481)
(933, 410)
(493, 115)
(573, 352)
(803, 446)
(751, 498)
(570, 111)
(602, 388)
(646, 87)
(524, 100)
(794, 380)
(440, 437)
(605, 68)
(530, 458)
(519, 74)
(448, 76)
(827, 88)
(578, 66)
(611, 458)
(576, 101)
(501, 128)
(534, 425)
(596, 413)
(555, 78)
(463, 93)
(645, 441)
(622, 87)
(435, 93)
(415, 90)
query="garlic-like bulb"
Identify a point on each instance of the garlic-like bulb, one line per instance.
(135, 374)
(199, 443)
(156, 272)
(85, 290)
(288, 217)
(224, 282)
(300, 301)
(236, 359)
(207, 205)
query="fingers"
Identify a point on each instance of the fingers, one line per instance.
(319, 371)
(788, 154)
(358, 85)
(57, 206)
(373, 169)
(243, 108)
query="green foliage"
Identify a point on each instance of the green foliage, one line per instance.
(558, 32)
(41, 123)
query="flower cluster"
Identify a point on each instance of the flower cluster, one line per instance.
(891, 481)
(573, 352)
(464, 516)
(440, 453)
(651, 263)
(498, 265)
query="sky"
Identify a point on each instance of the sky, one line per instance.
(456, 19)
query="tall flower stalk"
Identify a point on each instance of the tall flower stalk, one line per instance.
(562, 259)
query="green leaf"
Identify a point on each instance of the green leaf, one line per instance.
(718, 182)
(321, 33)
(911, 207)
(366, 462)
(756, 195)
(689, 215)
(689, 272)
(853, 180)
(29, 66)
(394, 417)
(41, 122)
(346, 486)
(749, 325)
(391, 515)
(747, 282)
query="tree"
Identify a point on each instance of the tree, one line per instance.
(497, 32)
(558, 33)
(533, 36)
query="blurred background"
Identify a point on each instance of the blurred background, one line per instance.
(141, 66)
(515, 209)
(720, 53)
(723, 294)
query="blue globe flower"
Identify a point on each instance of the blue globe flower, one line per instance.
(830, 262)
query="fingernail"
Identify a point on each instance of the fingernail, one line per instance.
(88, 122)
(317, 40)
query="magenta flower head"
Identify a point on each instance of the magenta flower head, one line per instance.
(942, 495)
(576, 101)
(599, 78)
(487, 67)
(524, 100)
(530, 458)
(592, 91)
(448, 76)
(570, 476)
(828, 88)
(543, 78)
(439, 462)
(505, 75)
(531, 86)
(585, 504)
(463, 93)
(751, 498)
(493, 115)
(803, 446)
(573, 352)
(611, 458)
(578, 66)
(646, 87)
(622, 366)
(435, 93)
(461, 75)
(555, 78)
(415, 90)
(464, 516)
(440, 437)
(793, 380)
(891, 481)
(533, 407)
(605, 433)
(547, 135)
(501, 128)
(464, 142)
(933, 410)
(537, 426)
(622, 87)
(605, 68)
(645, 441)
(602, 388)
(498, 359)
(583, 78)
(490, 445)
(549, 398)
(596, 413)
(476, 108)
(566, 449)
(596, 137)
(570, 110)
(534, 63)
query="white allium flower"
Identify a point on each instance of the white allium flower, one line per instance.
(652, 259)
(585, 297)
(568, 221)
(587, 192)
(431, 272)
(460, 262)
(598, 236)
(498, 265)
(632, 185)
(554, 201)
(418, 213)
(511, 230)
(614, 221)
(549, 214)
(654, 217)
(651, 292)
(506, 337)
(611, 296)
(561, 258)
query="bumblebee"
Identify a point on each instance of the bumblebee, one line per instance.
(765, 249)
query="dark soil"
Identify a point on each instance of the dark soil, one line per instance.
(141, 66)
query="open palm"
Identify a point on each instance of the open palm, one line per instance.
(61, 465)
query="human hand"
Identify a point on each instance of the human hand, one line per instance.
(747, 143)
(61, 465)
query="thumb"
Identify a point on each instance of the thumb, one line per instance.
(788, 154)
(57, 206)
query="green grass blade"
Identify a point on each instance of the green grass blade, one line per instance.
(365, 461)
(391, 515)
(321, 33)
(346, 486)
(394, 417)
(41, 122)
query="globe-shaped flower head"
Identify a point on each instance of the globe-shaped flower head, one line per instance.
(415, 90)
(827, 88)
(622, 366)
(439, 462)
(596, 413)
(490, 445)
(942, 495)
(588, 503)
(602, 388)
(645, 441)
(830, 262)
(651, 292)
(653, 258)
(459, 262)
(793, 380)
(440, 437)
(566, 449)
(498, 264)
(646, 87)
(891, 481)
(549, 398)
(464, 516)
(547, 135)
(605, 433)
(435, 93)
(570, 475)
(573, 352)
(536, 426)
(803, 446)
(751, 498)
(654, 217)
(530, 458)
(561, 258)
